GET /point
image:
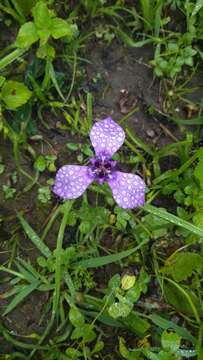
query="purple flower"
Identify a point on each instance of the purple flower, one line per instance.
(72, 180)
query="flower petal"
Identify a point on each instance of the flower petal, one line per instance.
(128, 190)
(71, 181)
(107, 136)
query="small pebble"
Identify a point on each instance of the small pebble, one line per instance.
(151, 133)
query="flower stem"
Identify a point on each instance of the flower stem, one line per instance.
(56, 296)
(67, 207)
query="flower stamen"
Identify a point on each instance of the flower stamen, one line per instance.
(102, 168)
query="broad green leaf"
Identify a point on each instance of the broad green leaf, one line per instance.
(134, 293)
(98, 347)
(198, 219)
(14, 94)
(157, 226)
(119, 309)
(46, 51)
(76, 318)
(2, 168)
(123, 349)
(182, 265)
(182, 299)
(40, 163)
(73, 354)
(44, 35)
(85, 332)
(86, 150)
(170, 341)
(72, 146)
(153, 356)
(61, 28)
(94, 215)
(27, 35)
(41, 15)
(128, 281)
(114, 283)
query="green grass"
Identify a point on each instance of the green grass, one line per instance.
(96, 281)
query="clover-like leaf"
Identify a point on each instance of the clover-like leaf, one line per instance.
(76, 318)
(46, 51)
(119, 309)
(41, 15)
(182, 265)
(170, 341)
(14, 94)
(61, 28)
(27, 35)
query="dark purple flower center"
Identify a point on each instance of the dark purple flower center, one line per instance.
(102, 168)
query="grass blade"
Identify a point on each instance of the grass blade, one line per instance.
(28, 276)
(58, 274)
(138, 142)
(89, 110)
(21, 296)
(166, 324)
(52, 75)
(129, 41)
(173, 219)
(195, 121)
(104, 260)
(8, 59)
(34, 237)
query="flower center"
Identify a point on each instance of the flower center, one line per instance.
(102, 167)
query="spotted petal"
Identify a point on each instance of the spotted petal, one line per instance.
(128, 190)
(106, 136)
(71, 181)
